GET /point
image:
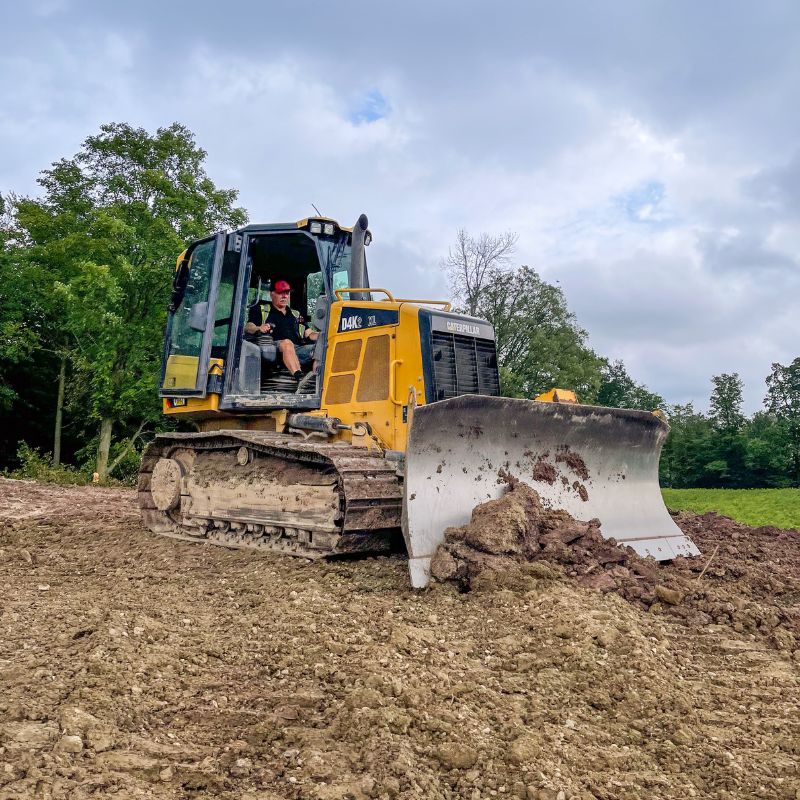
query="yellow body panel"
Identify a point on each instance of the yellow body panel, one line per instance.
(182, 405)
(181, 372)
(385, 382)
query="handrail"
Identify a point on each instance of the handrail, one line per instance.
(393, 381)
(350, 289)
(445, 304)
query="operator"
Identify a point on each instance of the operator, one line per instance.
(287, 328)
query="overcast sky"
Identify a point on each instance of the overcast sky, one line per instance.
(647, 153)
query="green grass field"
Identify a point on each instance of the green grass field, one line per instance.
(778, 507)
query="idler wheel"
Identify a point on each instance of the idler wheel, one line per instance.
(165, 484)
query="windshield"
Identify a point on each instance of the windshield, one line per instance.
(335, 258)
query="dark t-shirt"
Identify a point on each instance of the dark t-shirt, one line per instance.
(284, 326)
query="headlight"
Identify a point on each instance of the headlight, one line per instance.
(315, 227)
(328, 228)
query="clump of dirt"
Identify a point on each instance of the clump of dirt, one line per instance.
(574, 462)
(544, 472)
(514, 530)
(514, 539)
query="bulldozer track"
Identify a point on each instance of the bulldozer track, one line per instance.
(363, 491)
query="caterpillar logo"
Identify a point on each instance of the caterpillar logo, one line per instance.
(463, 327)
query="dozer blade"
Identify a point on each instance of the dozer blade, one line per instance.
(592, 462)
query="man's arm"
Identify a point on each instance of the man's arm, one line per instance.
(253, 324)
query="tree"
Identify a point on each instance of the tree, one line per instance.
(472, 264)
(539, 342)
(17, 340)
(783, 401)
(106, 233)
(726, 403)
(726, 465)
(767, 455)
(619, 390)
(686, 451)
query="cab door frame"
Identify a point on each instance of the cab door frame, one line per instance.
(230, 401)
(204, 356)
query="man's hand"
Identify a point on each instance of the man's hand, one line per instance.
(311, 335)
(265, 328)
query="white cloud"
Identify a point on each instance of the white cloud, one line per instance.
(646, 154)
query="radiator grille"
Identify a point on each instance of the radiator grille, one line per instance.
(374, 381)
(463, 365)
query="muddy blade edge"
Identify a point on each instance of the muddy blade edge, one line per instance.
(592, 462)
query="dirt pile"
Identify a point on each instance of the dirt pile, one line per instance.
(750, 577)
(506, 536)
(133, 666)
(514, 540)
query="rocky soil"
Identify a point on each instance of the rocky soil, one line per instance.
(133, 666)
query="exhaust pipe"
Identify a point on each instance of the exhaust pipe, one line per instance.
(358, 261)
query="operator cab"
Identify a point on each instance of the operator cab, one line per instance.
(273, 259)
(219, 285)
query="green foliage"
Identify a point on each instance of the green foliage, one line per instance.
(767, 453)
(17, 339)
(724, 449)
(619, 390)
(539, 342)
(99, 252)
(726, 403)
(776, 507)
(36, 466)
(783, 401)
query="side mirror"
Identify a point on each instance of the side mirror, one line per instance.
(198, 316)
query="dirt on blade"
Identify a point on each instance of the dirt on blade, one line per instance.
(136, 666)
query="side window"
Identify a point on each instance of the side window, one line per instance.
(184, 340)
(225, 296)
(340, 279)
(185, 347)
(315, 286)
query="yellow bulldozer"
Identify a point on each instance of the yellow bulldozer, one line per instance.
(397, 431)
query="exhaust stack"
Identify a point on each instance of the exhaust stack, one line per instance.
(358, 261)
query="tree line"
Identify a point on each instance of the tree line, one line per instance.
(85, 277)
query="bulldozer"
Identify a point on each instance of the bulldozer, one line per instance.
(398, 431)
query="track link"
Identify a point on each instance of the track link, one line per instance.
(278, 492)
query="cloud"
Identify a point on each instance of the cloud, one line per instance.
(778, 187)
(646, 153)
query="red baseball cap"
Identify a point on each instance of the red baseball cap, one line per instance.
(281, 286)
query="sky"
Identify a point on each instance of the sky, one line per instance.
(647, 153)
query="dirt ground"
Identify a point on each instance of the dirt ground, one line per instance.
(133, 666)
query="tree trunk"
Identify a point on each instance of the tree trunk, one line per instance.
(62, 376)
(125, 450)
(104, 447)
